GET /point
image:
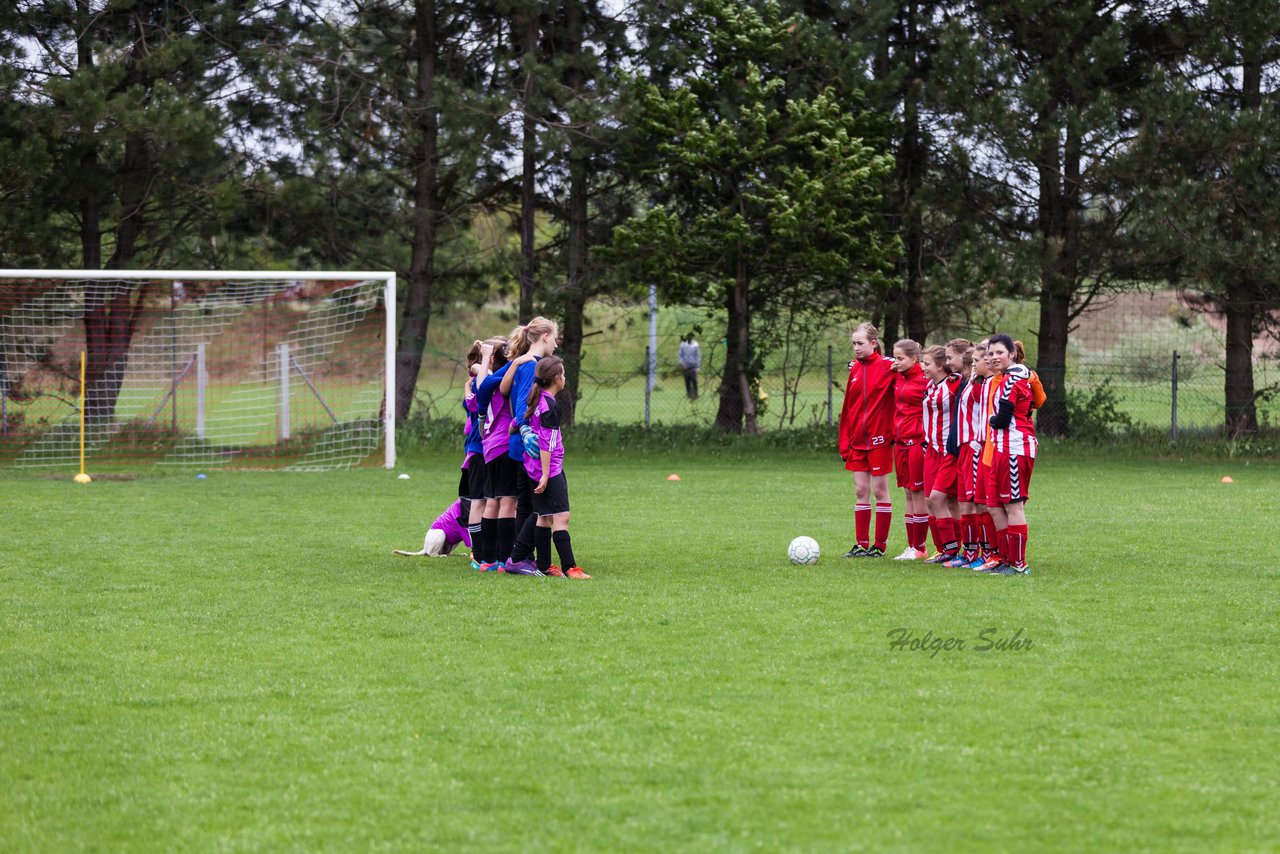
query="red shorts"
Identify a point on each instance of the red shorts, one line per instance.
(968, 466)
(1010, 478)
(908, 462)
(877, 460)
(986, 484)
(939, 472)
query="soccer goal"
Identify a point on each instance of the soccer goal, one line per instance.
(197, 369)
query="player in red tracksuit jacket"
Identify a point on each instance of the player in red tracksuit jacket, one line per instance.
(939, 463)
(908, 444)
(866, 438)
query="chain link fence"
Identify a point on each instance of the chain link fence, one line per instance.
(1120, 364)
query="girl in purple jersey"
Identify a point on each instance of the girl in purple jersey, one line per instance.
(548, 486)
(445, 533)
(498, 523)
(471, 484)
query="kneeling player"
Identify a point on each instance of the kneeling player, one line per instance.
(449, 529)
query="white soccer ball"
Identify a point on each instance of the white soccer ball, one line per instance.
(803, 550)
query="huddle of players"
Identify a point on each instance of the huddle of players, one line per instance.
(954, 423)
(513, 484)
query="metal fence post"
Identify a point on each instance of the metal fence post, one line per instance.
(1173, 412)
(830, 385)
(648, 389)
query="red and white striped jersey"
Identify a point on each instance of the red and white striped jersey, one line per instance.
(939, 398)
(973, 427)
(1019, 438)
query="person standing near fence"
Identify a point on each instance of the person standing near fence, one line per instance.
(866, 438)
(690, 363)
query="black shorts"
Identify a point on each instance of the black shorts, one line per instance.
(552, 500)
(471, 484)
(501, 477)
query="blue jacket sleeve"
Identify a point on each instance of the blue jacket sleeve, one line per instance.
(484, 393)
(953, 437)
(520, 393)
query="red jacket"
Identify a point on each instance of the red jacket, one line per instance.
(866, 419)
(908, 423)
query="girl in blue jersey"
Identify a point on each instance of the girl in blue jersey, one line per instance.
(533, 341)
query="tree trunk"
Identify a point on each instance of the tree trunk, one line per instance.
(90, 202)
(736, 400)
(1241, 307)
(527, 24)
(1242, 411)
(111, 315)
(912, 155)
(416, 314)
(1057, 276)
(575, 284)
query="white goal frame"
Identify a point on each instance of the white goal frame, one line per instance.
(389, 301)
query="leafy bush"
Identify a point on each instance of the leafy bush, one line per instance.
(1095, 415)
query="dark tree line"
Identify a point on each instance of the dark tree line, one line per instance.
(771, 158)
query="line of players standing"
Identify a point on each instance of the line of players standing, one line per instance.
(954, 423)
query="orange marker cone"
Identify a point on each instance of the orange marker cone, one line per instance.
(1226, 478)
(673, 477)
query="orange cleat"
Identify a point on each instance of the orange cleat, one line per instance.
(576, 572)
(554, 571)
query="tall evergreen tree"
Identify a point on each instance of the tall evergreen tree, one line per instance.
(1209, 187)
(761, 181)
(1042, 92)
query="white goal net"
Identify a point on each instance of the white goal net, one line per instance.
(278, 370)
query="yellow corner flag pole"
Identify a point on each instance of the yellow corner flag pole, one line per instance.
(82, 477)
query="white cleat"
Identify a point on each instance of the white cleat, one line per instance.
(911, 554)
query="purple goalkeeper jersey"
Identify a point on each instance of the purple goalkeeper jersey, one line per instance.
(453, 525)
(545, 421)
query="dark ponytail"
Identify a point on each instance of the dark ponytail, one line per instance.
(548, 368)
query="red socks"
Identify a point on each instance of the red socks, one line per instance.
(862, 524)
(944, 533)
(1016, 544)
(884, 516)
(917, 531)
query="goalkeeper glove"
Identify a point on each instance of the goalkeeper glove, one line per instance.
(530, 440)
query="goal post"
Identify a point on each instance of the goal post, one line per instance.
(198, 368)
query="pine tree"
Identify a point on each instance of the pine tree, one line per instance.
(762, 185)
(1210, 190)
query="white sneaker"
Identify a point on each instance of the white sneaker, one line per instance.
(911, 554)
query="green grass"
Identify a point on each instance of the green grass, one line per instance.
(240, 663)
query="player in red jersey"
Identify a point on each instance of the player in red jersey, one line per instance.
(866, 438)
(1013, 438)
(939, 465)
(908, 444)
(968, 359)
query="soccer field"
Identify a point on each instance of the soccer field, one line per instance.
(240, 663)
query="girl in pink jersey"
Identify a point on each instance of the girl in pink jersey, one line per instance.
(498, 523)
(908, 444)
(940, 466)
(1013, 436)
(445, 533)
(549, 488)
